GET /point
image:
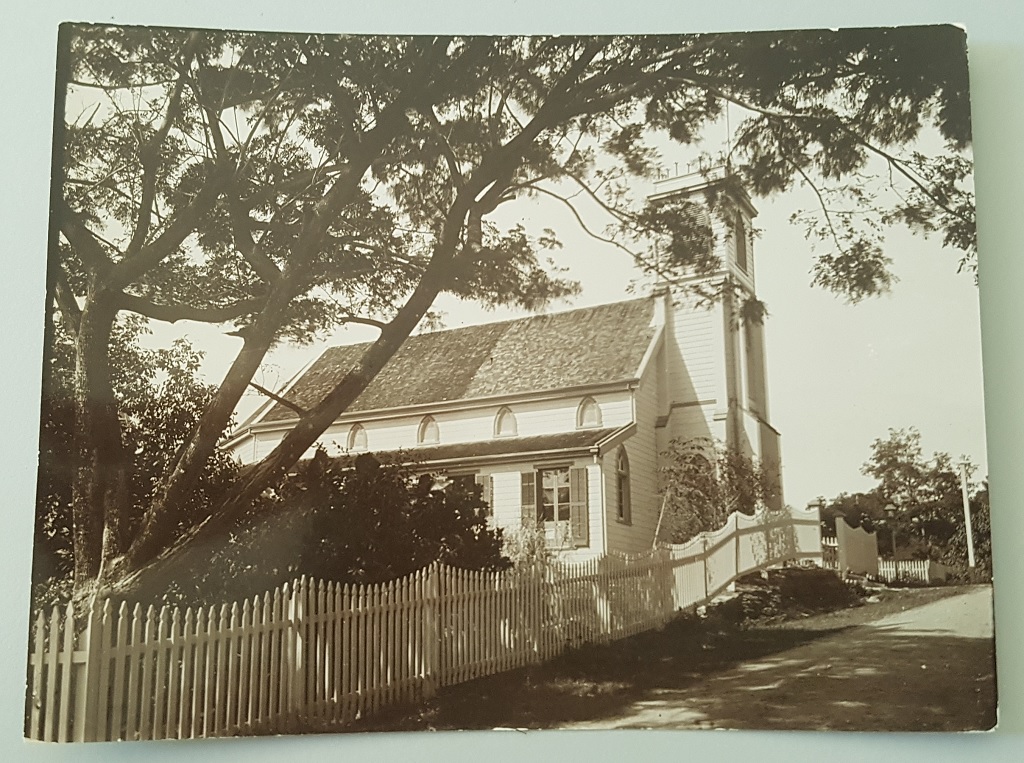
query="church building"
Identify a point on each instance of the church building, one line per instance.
(563, 417)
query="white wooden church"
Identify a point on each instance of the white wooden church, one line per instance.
(562, 416)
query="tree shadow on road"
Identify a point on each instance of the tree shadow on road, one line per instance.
(692, 676)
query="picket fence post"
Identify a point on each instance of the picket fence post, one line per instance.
(432, 632)
(294, 644)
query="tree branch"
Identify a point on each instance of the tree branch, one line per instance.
(175, 313)
(278, 399)
(66, 302)
(363, 321)
(149, 156)
(84, 241)
(181, 226)
(446, 149)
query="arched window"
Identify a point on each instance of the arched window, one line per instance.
(741, 242)
(588, 414)
(622, 486)
(428, 434)
(357, 438)
(505, 423)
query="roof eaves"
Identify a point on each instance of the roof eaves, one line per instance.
(460, 404)
(614, 439)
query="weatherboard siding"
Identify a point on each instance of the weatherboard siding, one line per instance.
(695, 360)
(457, 426)
(636, 535)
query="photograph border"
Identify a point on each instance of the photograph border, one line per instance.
(997, 59)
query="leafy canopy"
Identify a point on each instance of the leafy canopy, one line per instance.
(918, 500)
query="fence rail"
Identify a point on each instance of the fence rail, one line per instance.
(321, 653)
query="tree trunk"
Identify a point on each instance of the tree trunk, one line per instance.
(162, 519)
(101, 464)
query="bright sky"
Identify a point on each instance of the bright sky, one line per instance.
(839, 375)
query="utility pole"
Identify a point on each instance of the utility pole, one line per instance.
(967, 514)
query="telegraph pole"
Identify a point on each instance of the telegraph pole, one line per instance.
(967, 514)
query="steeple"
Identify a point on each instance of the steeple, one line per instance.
(716, 373)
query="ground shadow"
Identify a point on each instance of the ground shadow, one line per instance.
(861, 678)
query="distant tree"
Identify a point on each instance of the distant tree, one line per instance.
(956, 554)
(282, 185)
(924, 494)
(704, 482)
(858, 509)
(917, 505)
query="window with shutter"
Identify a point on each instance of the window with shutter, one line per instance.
(741, 242)
(529, 499)
(556, 500)
(486, 482)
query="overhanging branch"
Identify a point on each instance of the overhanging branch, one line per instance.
(175, 313)
(278, 399)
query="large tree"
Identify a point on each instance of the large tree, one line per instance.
(286, 184)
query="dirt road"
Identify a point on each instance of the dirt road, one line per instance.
(925, 669)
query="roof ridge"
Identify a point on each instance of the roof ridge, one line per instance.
(521, 319)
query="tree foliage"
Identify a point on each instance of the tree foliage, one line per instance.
(374, 522)
(704, 482)
(285, 184)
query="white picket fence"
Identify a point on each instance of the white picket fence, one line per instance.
(315, 654)
(920, 570)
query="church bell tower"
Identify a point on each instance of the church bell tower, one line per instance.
(715, 368)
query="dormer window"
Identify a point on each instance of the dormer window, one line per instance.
(357, 438)
(588, 415)
(428, 433)
(505, 423)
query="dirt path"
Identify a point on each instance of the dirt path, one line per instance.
(930, 669)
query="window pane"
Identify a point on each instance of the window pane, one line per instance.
(428, 431)
(590, 414)
(506, 424)
(554, 495)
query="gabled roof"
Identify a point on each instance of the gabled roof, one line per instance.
(577, 348)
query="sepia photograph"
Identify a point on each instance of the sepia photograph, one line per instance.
(472, 382)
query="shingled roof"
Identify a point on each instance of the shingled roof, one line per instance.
(541, 353)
